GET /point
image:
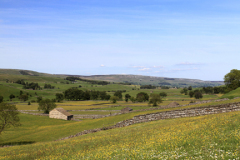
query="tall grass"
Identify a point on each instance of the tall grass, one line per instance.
(204, 137)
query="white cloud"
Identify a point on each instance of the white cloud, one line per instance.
(158, 66)
(188, 63)
(102, 65)
(184, 69)
(144, 69)
(138, 67)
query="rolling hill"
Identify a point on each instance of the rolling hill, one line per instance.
(15, 74)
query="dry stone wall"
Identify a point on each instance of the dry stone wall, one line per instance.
(190, 112)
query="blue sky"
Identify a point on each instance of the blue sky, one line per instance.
(195, 39)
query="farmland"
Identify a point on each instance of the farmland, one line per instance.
(203, 137)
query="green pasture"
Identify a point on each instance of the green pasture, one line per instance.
(35, 128)
(203, 137)
(232, 94)
(93, 112)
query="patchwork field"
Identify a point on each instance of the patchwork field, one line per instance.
(204, 137)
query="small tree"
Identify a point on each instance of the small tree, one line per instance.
(190, 88)
(142, 96)
(39, 99)
(11, 96)
(1, 99)
(46, 105)
(155, 99)
(23, 97)
(59, 97)
(114, 99)
(118, 94)
(163, 94)
(191, 94)
(8, 116)
(133, 99)
(127, 96)
(198, 95)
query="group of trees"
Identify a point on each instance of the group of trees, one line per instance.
(76, 94)
(148, 87)
(73, 79)
(32, 85)
(232, 80)
(48, 86)
(197, 93)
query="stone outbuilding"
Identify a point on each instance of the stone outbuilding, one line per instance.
(60, 113)
(126, 110)
(173, 104)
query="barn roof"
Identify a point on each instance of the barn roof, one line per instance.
(63, 111)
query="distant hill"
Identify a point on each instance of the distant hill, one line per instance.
(15, 74)
(157, 81)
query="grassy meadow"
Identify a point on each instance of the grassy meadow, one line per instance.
(204, 137)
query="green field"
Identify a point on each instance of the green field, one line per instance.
(204, 137)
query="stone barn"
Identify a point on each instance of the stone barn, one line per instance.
(126, 110)
(60, 113)
(173, 104)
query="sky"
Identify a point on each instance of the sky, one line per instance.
(196, 39)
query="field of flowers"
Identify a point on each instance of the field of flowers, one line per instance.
(205, 137)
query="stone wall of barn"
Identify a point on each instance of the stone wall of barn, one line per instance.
(57, 115)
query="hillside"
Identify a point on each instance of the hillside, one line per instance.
(15, 74)
(157, 81)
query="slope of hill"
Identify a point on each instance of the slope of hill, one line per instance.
(232, 94)
(15, 74)
(157, 81)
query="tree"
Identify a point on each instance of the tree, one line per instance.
(191, 94)
(59, 97)
(232, 79)
(39, 98)
(163, 94)
(12, 96)
(114, 99)
(198, 95)
(1, 99)
(118, 94)
(23, 97)
(133, 99)
(142, 96)
(155, 99)
(108, 97)
(190, 88)
(8, 116)
(127, 96)
(46, 105)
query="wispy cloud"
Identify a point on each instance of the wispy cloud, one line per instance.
(158, 66)
(138, 66)
(184, 69)
(188, 63)
(102, 65)
(144, 69)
